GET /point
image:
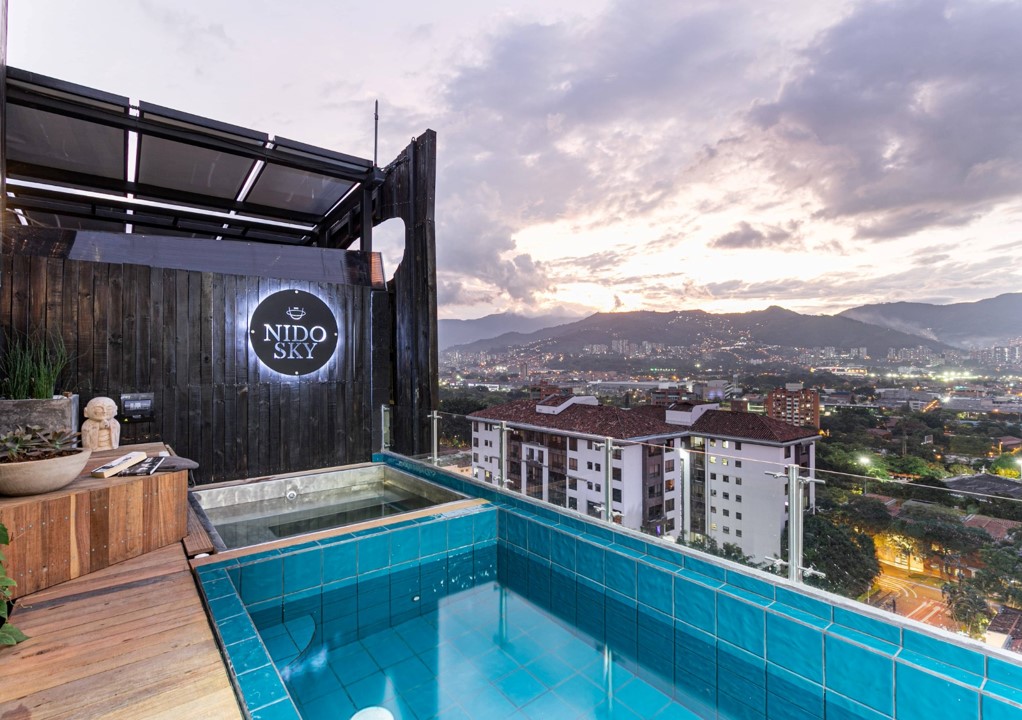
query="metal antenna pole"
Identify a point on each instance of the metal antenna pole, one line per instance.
(435, 417)
(376, 131)
(794, 524)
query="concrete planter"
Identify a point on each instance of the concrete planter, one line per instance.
(59, 413)
(32, 477)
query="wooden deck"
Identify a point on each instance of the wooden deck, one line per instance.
(131, 641)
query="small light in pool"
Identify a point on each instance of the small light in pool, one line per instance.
(415, 599)
(373, 713)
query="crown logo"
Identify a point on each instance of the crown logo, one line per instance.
(296, 313)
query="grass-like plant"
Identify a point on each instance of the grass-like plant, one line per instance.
(9, 635)
(31, 366)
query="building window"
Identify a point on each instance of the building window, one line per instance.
(573, 463)
(738, 533)
(727, 513)
(616, 453)
(589, 486)
(713, 509)
(713, 443)
(727, 496)
(615, 473)
(572, 503)
(713, 476)
(738, 498)
(670, 524)
(738, 481)
(726, 478)
(724, 443)
(597, 467)
(727, 530)
(738, 463)
(738, 446)
(475, 426)
(669, 504)
(713, 459)
(572, 484)
(723, 461)
(573, 444)
(475, 457)
(589, 465)
(589, 444)
(668, 466)
(738, 516)
(669, 485)
(713, 493)
(787, 451)
(598, 487)
(616, 494)
(475, 442)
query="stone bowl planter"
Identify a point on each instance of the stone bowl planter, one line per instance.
(32, 477)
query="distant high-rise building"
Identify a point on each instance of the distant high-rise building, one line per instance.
(795, 405)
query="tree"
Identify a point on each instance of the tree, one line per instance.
(866, 514)
(937, 532)
(846, 556)
(968, 607)
(1006, 465)
(1001, 575)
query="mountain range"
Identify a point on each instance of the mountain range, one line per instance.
(876, 327)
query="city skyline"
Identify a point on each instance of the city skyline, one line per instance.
(600, 156)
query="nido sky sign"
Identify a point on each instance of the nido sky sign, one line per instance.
(293, 332)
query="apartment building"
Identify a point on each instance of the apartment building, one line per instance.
(688, 469)
(795, 405)
(557, 451)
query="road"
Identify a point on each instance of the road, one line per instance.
(914, 599)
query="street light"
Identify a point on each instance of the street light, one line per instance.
(866, 462)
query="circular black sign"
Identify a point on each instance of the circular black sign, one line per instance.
(293, 332)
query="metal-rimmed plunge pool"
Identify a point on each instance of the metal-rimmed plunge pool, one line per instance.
(264, 510)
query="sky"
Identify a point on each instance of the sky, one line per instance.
(608, 156)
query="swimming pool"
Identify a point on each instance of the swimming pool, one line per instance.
(269, 509)
(714, 638)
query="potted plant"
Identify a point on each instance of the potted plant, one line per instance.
(9, 635)
(33, 460)
(29, 369)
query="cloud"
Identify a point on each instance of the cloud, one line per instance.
(903, 116)
(747, 237)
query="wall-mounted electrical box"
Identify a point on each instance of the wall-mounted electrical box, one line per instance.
(136, 407)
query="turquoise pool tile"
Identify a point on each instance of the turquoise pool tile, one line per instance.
(302, 570)
(550, 705)
(460, 532)
(742, 667)
(372, 690)
(667, 553)
(235, 629)
(805, 603)
(741, 623)
(924, 696)
(261, 687)
(262, 580)
(580, 691)
(695, 651)
(926, 662)
(433, 538)
(795, 646)
(224, 607)
(248, 654)
(997, 709)
(1006, 673)
(404, 545)
(871, 626)
(781, 708)
(620, 574)
(750, 584)
(795, 690)
(590, 561)
(657, 633)
(872, 683)
(373, 553)
(340, 561)
(734, 708)
(839, 707)
(484, 525)
(704, 567)
(219, 587)
(539, 538)
(410, 673)
(695, 603)
(517, 529)
(520, 687)
(234, 575)
(944, 651)
(1008, 692)
(870, 641)
(642, 698)
(656, 588)
(280, 710)
(562, 550)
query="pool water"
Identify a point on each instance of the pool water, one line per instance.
(485, 652)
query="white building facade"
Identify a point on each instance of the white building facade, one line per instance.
(688, 470)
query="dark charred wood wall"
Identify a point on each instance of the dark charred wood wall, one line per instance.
(182, 335)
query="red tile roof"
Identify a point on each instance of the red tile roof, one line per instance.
(599, 420)
(997, 528)
(739, 425)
